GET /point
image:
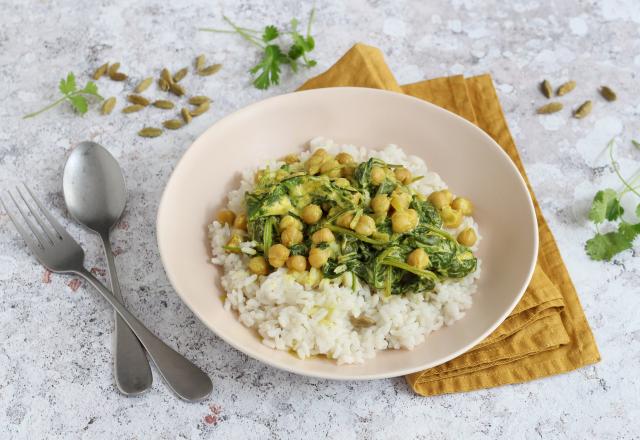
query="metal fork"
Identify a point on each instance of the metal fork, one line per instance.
(59, 252)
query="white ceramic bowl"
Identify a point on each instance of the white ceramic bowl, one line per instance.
(467, 159)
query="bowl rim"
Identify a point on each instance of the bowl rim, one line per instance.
(342, 376)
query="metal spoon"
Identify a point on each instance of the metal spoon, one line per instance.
(95, 194)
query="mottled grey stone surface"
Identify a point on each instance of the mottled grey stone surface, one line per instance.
(55, 355)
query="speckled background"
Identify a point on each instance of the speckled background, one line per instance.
(55, 345)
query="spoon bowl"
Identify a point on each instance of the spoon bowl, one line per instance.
(94, 187)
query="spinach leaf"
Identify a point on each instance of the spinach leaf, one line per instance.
(427, 213)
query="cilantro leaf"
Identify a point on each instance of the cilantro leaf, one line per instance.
(605, 246)
(311, 43)
(70, 92)
(268, 69)
(638, 210)
(605, 205)
(267, 72)
(295, 52)
(635, 143)
(79, 103)
(91, 89)
(270, 33)
(68, 85)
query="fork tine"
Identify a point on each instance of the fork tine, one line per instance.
(51, 234)
(44, 241)
(57, 226)
(31, 243)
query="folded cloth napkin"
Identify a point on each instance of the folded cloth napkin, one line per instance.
(547, 332)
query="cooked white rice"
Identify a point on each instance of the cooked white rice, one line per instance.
(317, 321)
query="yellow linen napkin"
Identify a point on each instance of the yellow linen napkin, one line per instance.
(547, 332)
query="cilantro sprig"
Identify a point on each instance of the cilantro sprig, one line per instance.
(267, 71)
(70, 92)
(607, 206)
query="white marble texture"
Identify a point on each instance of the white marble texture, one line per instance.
(55, 355)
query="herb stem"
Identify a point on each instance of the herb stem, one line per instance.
(312, 15)
(50, 106)
(617, 171)
(227, 31)
(243, 33)
(389, 261)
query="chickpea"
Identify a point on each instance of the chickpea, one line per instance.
(290, 236)
(463, 205)
(467, 237)
(341, 182)
(345, 220)
(318, 257)
(450, 217)
(278, 254)
(226, 216)
(297, 263)
(401, 221)
(377, 175)
(403, 175)
(312, 165)
(380, 203)
(323, 235)
(311, 214)
(330, 168)
(240, 222)
(440, 199)
(418, 258)
(291, 158)
(290, 221)
(413, 217)
(366, 226)
(347, 170)
(400, 200)
(258, 265)
(344, 158)
(320, 152)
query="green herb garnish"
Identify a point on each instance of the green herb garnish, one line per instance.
(606, 205)
(77, 98)
(267, 71)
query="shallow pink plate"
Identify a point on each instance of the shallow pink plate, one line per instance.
(466, 158)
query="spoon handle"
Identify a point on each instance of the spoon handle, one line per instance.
(185, 379)
(131, 367)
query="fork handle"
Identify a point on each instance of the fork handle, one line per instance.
(185, 379)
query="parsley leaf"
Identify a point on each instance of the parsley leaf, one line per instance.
(270, 33)
(605, 206)
(91, 89)
(267, 71)
(70, 93)
(68, 85)
(79, 103)
(605, 246)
